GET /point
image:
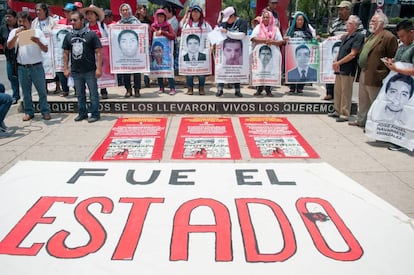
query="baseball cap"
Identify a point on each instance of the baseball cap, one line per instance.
(227, 12)
(345, 4)
(69, 7)
(197, 8)
(108, 12)
(79, 5)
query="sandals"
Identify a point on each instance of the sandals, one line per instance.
(27, 117)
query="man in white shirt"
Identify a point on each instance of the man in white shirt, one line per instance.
(30, 68)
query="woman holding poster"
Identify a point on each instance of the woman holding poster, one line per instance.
(266, 38)
(195, 58)
(161, 28)
(127, 17)
(302, 73)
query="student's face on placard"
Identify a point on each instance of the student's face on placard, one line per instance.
(157, 53)
(265, 55)
(128, 44)
(398, 94)
(302, 57)
(193, 45)
(233, 53)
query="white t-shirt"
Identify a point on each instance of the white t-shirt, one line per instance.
(29, 54)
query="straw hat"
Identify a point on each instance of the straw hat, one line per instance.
(98, 11)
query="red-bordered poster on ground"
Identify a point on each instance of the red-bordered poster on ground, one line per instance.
(206, 138)
(134, 139)
(274, 137)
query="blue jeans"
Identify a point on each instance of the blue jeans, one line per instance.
(171, 82)
(35, 75)
(63, 81)
(14, 81)
(88, 78)
(201, 80)
(5, 103)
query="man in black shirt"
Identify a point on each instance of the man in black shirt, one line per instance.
(83, 45)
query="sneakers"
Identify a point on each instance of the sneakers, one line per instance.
(219, 93)
(333, 114)
(80, 117)
(238, 94)
(172, 92)
(93, 119)
(394, 147)
(341, 119)
(161, 91)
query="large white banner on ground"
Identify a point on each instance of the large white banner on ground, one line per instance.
(207, 218)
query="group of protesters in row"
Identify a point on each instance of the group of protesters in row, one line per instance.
(374, 55)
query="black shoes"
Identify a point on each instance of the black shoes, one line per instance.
(219, 93)
(238, 94)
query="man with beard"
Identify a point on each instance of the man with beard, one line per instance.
(381, 43)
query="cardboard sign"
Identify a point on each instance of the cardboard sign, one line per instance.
(204, 218)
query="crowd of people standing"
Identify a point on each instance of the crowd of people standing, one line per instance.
(359, 55)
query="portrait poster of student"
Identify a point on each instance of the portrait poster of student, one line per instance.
(107, 79)
(162, 60)
(194, 57)
(232, 61)
(47, 58)
(301, 61)
(391, 116)
(58, 35)
(328, 51)
(129, 48)
(266, 65)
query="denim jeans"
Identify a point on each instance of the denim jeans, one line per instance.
(5, 103)
(201, 81)
(35, 75)
(14, 81)
(127, 80)
(63, 81)
(88, 78)
(171, 82)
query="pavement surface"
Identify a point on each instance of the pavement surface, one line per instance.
(388, 174)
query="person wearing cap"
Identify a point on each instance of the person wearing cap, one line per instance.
(67, 10)
(338, 27)
(5, 104)
(95, 17)
(84, 49)
(195, 20)
(127, 17)
(235, 29)
(381, 43)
